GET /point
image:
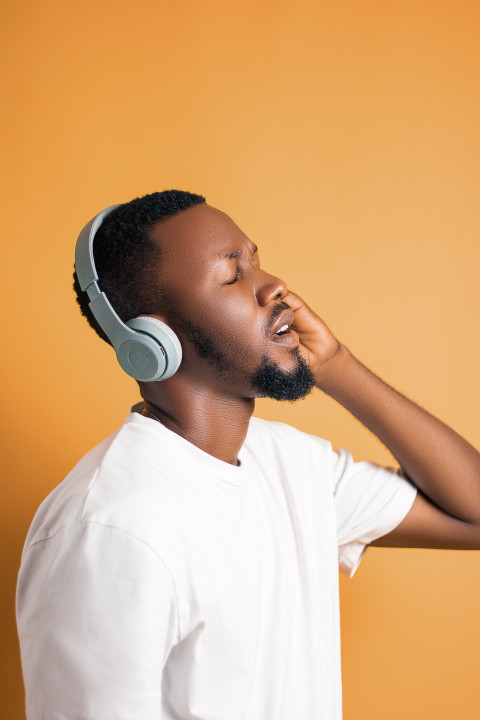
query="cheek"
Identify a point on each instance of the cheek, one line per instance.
(229, 314)
(225, 309)
(239, 318)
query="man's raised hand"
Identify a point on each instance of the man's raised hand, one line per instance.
(318, 345)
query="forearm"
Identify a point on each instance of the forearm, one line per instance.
(438, 460)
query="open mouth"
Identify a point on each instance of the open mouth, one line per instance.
(282, 334)
(285, 337)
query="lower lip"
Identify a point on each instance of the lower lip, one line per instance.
(289, 339)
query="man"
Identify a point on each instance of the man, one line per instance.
(188, 566)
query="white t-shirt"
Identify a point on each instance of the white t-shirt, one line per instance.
(160, 583)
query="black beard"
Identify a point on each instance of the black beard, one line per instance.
(269, 380)
(273, 382)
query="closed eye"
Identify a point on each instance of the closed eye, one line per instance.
(237, 253)
(232, 281)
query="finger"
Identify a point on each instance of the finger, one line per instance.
(293, 300)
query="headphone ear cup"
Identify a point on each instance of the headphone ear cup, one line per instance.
(142, 359)
(167, 348)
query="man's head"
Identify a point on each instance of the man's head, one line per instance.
(126, 256)
(171, 256)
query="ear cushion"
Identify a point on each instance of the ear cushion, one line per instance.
(168, 343)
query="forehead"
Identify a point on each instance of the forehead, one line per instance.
(197, 235)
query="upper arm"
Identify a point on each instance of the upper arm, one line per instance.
(97, 618)
(427, 526)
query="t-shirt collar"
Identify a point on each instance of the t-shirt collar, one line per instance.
(189, 453)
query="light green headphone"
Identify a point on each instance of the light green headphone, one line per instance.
(146, 348)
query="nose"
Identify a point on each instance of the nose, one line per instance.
(270, 288)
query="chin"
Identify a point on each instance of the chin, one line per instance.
(272, 381)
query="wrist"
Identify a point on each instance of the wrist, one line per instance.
(331, 375)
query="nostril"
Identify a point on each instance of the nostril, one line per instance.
(270, 288)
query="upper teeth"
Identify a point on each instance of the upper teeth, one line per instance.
(284, 327)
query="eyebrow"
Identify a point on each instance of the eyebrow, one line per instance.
(236, 253)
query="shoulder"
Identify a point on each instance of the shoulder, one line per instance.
(281, 432)
(112, 485)
(287, 441)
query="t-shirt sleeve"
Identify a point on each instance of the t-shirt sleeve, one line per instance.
(370, 501)
(97, 618)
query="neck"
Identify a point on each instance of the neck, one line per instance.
(214, 423)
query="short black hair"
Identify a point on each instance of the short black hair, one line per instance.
(126, 258)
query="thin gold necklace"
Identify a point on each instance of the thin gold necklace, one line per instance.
(145, 412)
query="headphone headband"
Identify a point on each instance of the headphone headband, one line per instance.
(84, 260)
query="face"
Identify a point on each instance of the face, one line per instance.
(228, 313)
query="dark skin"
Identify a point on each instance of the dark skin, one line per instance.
(203, 251)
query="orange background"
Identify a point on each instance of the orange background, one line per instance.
(343, 137)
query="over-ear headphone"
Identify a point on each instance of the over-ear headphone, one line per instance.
(146, 348)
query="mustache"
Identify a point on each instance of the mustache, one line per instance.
(276, 311)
